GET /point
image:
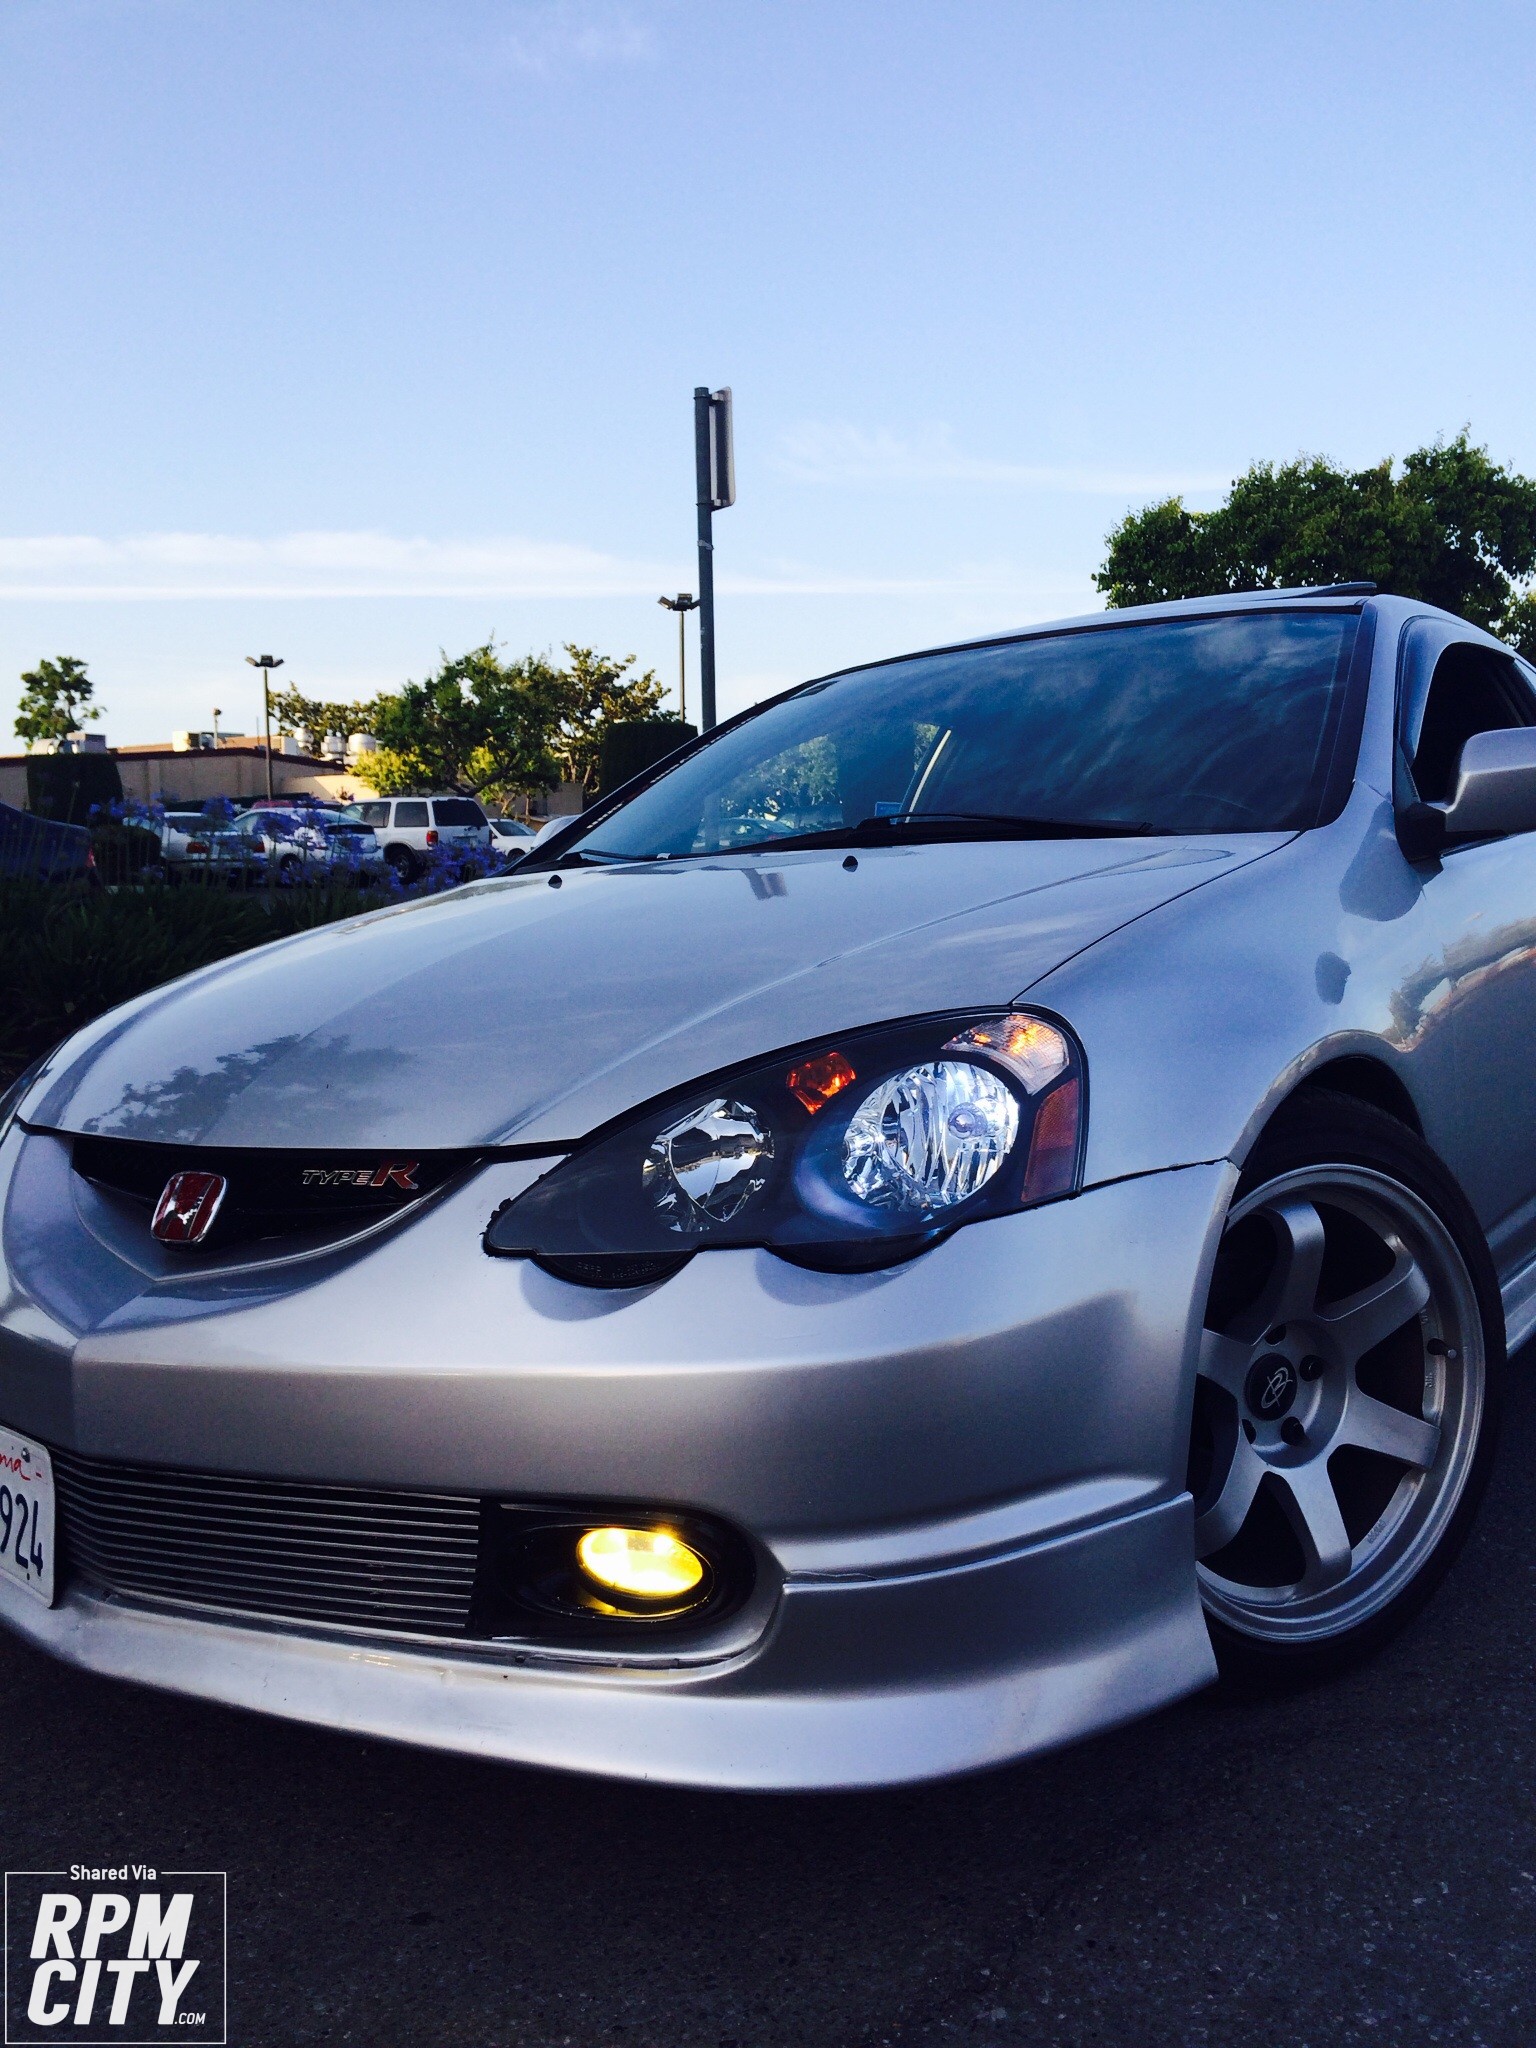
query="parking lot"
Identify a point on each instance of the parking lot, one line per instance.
(1354, 1864)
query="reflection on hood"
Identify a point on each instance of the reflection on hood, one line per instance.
(518, 1012)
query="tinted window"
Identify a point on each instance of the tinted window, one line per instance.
(370, 814)
(457, 810)
(1220, 724)
(410, 814)
(1473, 690)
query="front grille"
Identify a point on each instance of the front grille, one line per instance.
(352, 1557)
(271, 1193)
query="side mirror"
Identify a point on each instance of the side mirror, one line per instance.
(1495, 784)
(1495, 794)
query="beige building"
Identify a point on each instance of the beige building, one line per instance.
(236, 768)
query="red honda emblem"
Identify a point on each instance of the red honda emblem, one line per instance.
(184, 1213)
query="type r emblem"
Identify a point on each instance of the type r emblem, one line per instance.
(186, 1210)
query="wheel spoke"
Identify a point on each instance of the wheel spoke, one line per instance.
(1291, 1291)
(1227, 1513)
(1224, 1360)
(1360, 1322)
(1375, 1426)
(1312, 1509)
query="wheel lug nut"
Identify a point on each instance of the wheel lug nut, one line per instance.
(1313, 1367)
(1292, 1431)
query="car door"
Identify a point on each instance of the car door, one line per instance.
(1483, 894)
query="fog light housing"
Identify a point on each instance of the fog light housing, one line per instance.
(641, 1564)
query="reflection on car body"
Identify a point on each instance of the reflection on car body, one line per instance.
(1015, 1188)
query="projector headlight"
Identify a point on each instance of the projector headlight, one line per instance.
(844, 1156)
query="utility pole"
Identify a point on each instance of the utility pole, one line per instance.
(714, 463)
(682, 604)
(266, 663)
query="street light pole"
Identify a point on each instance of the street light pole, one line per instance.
(266, 663)
(682, 604)
(714, 465)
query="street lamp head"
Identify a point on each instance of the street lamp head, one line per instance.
(265, 660)
(685, 601)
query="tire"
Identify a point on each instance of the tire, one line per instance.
(1347, 1395)
(403, 861)
(290, 871)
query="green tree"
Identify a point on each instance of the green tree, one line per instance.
(594, 691)
(55, 699)
(1450, 526)
(478, 724)
(292, 711)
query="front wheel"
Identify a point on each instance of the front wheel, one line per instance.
(1347, 1391)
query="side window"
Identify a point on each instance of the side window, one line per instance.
(407, 815)
(457, 810)
(1472, 690)
(374, 814)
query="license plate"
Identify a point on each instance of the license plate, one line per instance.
(26, 1515)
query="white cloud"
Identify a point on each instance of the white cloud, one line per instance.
(166, 567)
(548, 34)
(832, 452)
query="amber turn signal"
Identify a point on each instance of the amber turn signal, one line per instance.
(814, 1082)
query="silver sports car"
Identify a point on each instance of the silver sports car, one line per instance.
(1011, 1193)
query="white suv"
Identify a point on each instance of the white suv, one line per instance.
(407, 827)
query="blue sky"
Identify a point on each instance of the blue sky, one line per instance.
(355, 331)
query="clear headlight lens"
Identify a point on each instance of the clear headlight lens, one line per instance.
(930, 1137)
(708, 1165)
(845, 1155)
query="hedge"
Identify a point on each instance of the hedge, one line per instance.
(70, 953)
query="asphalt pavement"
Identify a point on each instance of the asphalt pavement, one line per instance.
(1354, 1864)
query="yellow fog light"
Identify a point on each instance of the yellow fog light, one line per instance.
(647, 1564)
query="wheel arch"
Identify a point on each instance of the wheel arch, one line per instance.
(1367, 1079)
(1362, 1075)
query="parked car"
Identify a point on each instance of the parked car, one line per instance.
(410, 827)
(311, 846)
(912, 1291)
(41, 850)
(512, 835)
(200, 843)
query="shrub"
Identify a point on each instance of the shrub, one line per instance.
(68, 787)
(71, 953)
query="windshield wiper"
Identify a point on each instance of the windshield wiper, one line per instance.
(911, 827)
(900, 828)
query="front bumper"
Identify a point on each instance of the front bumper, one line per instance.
(963, 1477)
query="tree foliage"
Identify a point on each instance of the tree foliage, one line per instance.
(478, 724)
(292, 711)
(594, 692)
(495, 728)
(1449, 526)
(55, 700)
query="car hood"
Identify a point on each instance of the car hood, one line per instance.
(533, 1008)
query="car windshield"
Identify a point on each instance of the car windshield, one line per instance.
(1211, 724)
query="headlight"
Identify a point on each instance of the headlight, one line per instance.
(843, 1156)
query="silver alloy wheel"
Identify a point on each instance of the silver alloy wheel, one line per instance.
(1341, 1405)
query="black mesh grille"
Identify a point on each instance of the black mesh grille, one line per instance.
(353, 1557)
